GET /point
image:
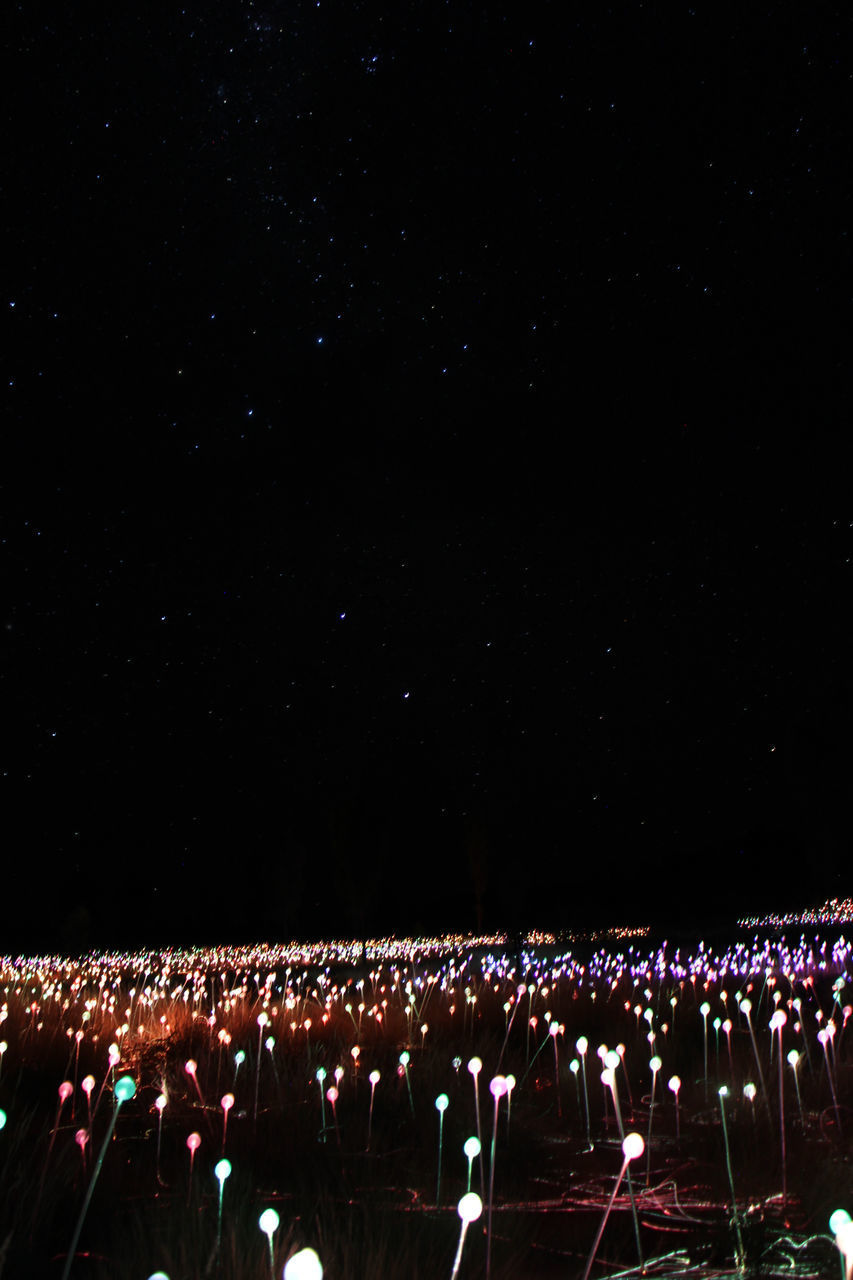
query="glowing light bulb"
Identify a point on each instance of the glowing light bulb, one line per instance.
(633, 1146)
(475, 1066)
(125, 1088)
(222, 1170)
(304, 1265)
(442, 1102)
(268, 1223)
(470, 1207)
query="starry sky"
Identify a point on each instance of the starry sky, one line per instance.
(424, 497)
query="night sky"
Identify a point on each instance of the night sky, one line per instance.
(424, 489)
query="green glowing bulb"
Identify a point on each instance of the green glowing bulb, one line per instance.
(125, 1088)
(222, 1170)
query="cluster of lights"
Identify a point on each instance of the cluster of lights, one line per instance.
(833, 912)
(109, 1007)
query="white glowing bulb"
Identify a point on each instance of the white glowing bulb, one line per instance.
(633, 1146)
(304, 1265)
(470, 1207)
(268, 1223)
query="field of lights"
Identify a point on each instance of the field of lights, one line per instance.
(597, 1106)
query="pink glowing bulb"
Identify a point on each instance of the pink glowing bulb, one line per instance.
(81, 1137)
(332, 1094)
(227, 1102)
(374, 1078)
(498, 1087)
(475, 1066)
(65, 1091)
(674, 1084)
(87, 1084)
(160, 1103)
(194, 1142)
(190, 1066)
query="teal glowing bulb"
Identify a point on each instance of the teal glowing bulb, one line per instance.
(125, 1088)
(442, 1102)
(222, 1169)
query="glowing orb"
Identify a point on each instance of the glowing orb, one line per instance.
(470, 1207)
(304, 1265)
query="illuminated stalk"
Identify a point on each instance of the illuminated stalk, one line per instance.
(582, 1045)
(776, 1024)
(320, 1076)
(498, 1088)
(655, 1066)
(441, 1104)
(553, 1031)
(469, 1209)
(160, 1104)
(794, 1062)
(609, 1078)
(262, 1022)
(723, 1093)
(124, 1090)
(632, 1147)
(519, 997)
(374, 1080)
(475, 1066)
(472, 1150)
(746, 1008)
(404, 1063)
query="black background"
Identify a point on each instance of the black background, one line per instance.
(520, 337)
